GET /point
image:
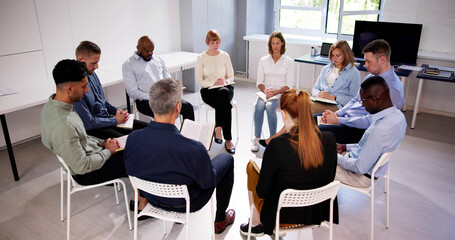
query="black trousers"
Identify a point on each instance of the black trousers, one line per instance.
(115, 132)
(186, 111)
(223, 169)
(113, 168)
(343, 134)
(220, 100)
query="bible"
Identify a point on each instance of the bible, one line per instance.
(128, 124)
(202, 132)
(323, 100)
(262, 96)
(257, 164)
(122, 141)
(218, 86)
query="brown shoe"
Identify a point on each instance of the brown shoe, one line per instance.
(230, 217)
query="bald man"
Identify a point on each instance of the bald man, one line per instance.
(385, 133)
(141, 71)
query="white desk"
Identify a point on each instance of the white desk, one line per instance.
(179, 61)
(32, 92)
(175, 61)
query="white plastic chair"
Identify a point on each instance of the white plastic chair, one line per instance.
(302, 198)
(208, 108)
(385, 157)
(167, 191)
(77, 187)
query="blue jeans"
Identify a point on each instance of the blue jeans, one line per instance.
(270, 107)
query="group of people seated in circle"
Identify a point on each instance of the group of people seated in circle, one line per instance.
(79, 125)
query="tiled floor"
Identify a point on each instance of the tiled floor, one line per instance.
(422, 192)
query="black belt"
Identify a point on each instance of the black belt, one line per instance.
(369, 176)
(164, 205)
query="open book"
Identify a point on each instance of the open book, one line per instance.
(128, 124)
(257, 164)
(324, 100)
(202, 132)
(261, 95)
(218, 86)
(122, 141)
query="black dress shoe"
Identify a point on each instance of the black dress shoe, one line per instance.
(219, 141)
(262, 142)
(231, 151)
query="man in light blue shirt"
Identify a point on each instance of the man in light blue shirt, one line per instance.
(141, 71)
(349, 123)
(385, 133)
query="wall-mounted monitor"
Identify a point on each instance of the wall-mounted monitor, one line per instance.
(403, 38)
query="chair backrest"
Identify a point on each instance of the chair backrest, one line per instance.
(302, 198)
(385, 157)
(160, 189)
(68, 172)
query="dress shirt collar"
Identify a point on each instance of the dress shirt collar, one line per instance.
(386, 75)
(137, 57)
(383, 113)
(63, 105)
(163, 126)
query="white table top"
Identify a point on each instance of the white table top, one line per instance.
(32, 93)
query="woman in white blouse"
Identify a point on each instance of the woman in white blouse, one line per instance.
(214, 68)
(275, 76)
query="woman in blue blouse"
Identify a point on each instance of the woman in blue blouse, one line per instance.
(338, 81)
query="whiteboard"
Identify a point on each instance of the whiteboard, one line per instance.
(18, 27)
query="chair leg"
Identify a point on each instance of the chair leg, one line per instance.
(387, 201)
(237, 124)
(127, 207)
(212, 220)
(68, 206)
(116, 193)
(136, 200)
(165, 228)
(372, 213)
(331, 220)
(250, 222)
(61, 194)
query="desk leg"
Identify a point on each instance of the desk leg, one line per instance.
(9, 147)
(417, 104)
(247, 58)
(297, 83)
(403, 82)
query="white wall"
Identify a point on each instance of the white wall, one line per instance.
(55, 28)
(436, 16)
(437, 39)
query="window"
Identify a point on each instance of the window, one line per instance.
(322, 17)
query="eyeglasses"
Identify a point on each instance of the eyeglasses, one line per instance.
(363, 100)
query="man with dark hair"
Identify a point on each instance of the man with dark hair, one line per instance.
(159, 153)
(142, 70)
(385, 133)
(100, 118)
(90, 160)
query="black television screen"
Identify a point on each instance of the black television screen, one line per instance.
(403, 38)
